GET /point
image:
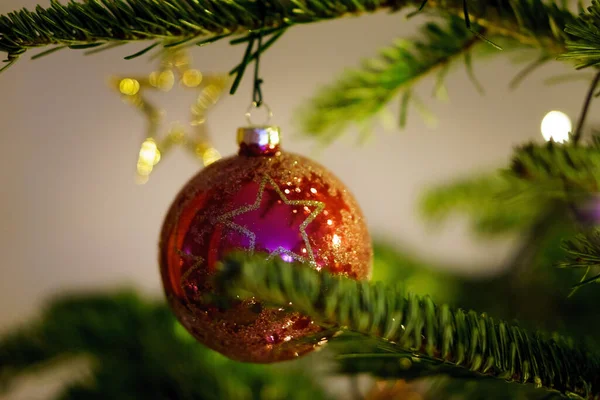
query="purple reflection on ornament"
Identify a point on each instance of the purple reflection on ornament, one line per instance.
(287, 257)
(263, 219)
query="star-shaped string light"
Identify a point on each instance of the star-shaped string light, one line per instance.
(175, 68)
(227, 220)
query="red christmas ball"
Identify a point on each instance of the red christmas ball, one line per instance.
(262, 201)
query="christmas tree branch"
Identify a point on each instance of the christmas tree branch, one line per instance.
(100, 22)
(584, 48)
(583, 252)
(555, 168)
(360, 94)
(453, 341)
(495, 203)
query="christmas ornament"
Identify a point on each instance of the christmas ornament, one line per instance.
(265, 201)
(175, 66)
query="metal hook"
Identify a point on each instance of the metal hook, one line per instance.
(253, 106)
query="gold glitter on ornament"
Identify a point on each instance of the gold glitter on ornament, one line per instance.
(174, 68)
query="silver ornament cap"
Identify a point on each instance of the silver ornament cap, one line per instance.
(259, 140)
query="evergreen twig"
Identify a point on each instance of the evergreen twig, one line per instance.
(102, 23)
(558, 167)
(586, 106)
(494, 203)
(181, 21)
(360, 94)
(583, 251)
(584, 47)
(452, 342)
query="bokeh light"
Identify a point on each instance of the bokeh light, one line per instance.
(557, 126)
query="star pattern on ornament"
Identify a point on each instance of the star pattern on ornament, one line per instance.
(227, 220)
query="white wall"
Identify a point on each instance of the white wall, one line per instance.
(73, 219)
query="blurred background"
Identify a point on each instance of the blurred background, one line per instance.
(73, 218)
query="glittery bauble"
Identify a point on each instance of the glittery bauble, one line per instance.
(263, 201)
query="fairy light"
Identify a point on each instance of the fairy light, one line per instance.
(192, 78)
(174, 69)
(148, 157)
(209, 156)
(556, 126)
(163, 80)
(129, 87)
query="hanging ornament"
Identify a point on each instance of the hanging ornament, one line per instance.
(265, 201)
(175, 67)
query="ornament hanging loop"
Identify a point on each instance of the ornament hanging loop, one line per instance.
(255, 106)
(257, 96)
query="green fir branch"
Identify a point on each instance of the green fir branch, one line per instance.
(101, 24)
(584, 48)
(529, 21)
(455, 342)
(535, 23)
(556, 168)
(495, 203)
(360, 94)
(174, 21)
(583, 251)
(98, 22)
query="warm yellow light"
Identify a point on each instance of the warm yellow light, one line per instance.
(199, 112)
(213, 92)
(163, 80)
(148, 158)
(556, 126)
(144, 169)
(210, 156)
(177, 134)
(149, 153)
(129, 87)
(141, 179)
(192, 78)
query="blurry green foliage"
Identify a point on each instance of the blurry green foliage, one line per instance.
(559, 170)
(360, 94)
(139, 351)
(495, 203)
(583, 252)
